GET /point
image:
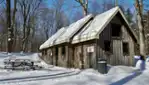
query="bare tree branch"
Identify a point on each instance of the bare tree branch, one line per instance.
(28, 9)
(84, 5)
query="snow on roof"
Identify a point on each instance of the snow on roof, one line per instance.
(90, 31)
(77, 37)
(72, 29)
(97, 25)
(51, 40)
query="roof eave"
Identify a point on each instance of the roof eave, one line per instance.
(134, 35)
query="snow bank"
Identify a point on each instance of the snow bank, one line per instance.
(117, 75)
(121, 69)
(147, 64)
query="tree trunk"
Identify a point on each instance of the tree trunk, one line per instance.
(139, 8)
(85, 11)
(24, 32)
(13, 23)
(141, 35)
(10, 30)
(84, 5)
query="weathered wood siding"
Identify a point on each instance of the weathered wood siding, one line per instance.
(70, 50)
(49, 56)
(77, 56)
(63, 58)
(117, 52)
(105, 35)
(116, 57)
(83, 58)
(127, 38)
(54, 56)
(45, 55)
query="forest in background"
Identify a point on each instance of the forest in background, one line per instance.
(34, 21)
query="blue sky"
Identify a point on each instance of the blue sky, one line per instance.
(127, 3)
(70, 3)
(71, 11)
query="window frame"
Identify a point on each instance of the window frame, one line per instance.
(127, 51)
(110, 46)
(63, 52)
(56, 51)
(113, 32)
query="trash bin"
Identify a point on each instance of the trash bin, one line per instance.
(102, 66)
(136, 58)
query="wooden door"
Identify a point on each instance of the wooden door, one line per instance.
(117, 52)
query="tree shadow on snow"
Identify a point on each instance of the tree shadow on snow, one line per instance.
(126, 79)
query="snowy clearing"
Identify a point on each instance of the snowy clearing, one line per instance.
(117, 75)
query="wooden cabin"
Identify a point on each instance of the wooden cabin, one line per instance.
(80, 45)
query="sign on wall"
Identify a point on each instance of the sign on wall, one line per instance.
(90, 49)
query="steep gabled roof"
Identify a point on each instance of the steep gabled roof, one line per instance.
(51, 40)
(86, 29)
(72, 30)
(98, 25)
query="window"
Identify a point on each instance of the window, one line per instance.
(56, 51)
(63, 50)
(116, 30)
(125, 48)
(107, 45)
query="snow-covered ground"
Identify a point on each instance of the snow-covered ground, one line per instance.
(117, 75)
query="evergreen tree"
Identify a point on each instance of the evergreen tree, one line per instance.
(129, 15)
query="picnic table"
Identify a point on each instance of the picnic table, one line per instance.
(24, 64)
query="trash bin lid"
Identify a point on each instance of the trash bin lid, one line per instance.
(101, 59)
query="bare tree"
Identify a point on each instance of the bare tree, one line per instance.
(57, 18)
(3, 27)
(46, 22)
(139, 8)
(84, 5)
(28, 8)
(59, 15)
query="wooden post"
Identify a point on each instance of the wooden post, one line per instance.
(60, 56)
(54, 55)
